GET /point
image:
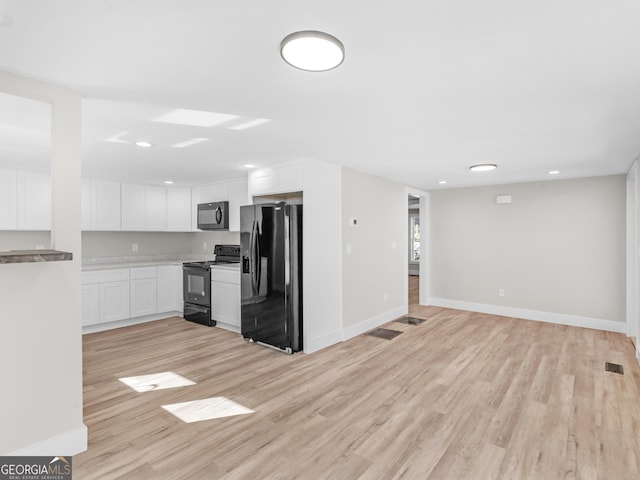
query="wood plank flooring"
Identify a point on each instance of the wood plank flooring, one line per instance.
(461, 396)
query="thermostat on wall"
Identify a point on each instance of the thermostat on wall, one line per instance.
(502, 199)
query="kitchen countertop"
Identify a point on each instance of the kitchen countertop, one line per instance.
(104, 263)
(30, 256)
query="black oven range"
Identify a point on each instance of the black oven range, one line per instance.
(196, 285)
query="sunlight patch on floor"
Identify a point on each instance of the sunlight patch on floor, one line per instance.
(206, 409)
(156, 381)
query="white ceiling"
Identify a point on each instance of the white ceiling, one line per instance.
(427, 88)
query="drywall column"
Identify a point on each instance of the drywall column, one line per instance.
(40, 306)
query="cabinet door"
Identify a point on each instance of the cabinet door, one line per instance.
(133, 206)
(238, 194)
(8, 200)
(143, 297)
(34, 201)
(105, 205)
(179, 209)
(169, 288)
(226, 303)
(114, 301)
(155, 209)
(90, 304)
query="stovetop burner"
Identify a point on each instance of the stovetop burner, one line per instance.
(225, 254)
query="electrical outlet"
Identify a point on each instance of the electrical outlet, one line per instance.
(134, 247)
(501, 292)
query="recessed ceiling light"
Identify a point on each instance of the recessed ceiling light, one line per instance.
(195, 118)
(144, 144)
(483, 167)
(168, 182)
(188, 143)
(248, 165)
(553, 172)
(442, 182)
(312, 51)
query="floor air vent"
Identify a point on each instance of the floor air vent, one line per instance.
(613, 367)
(410, 320)
(384, 333)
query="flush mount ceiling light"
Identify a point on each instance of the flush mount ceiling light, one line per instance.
(144, 144)
(312, 51)
(553, 172)
(483, 167)
(442, 182)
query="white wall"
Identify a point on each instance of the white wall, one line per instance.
(118, 244)
(558, 251)
(322, 261)
(374, 251)
(41, 354)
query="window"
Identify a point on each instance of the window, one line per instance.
(414, 238)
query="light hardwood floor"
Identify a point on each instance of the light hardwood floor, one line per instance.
(460, 396)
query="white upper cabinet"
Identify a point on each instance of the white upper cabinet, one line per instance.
(25, 201)
(34, 201)
(238, 195)
(280, 179)
(155, 208)
(144, 208)
(178, 209)
(133, 206)
(105, 205)
(8, 200)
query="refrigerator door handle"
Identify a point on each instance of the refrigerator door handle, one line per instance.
(287, 262)
(258, 268)
(252, 243)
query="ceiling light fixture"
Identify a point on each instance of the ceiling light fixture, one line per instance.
(483, 167)
(442, 182)
(312, 51)
(144, 144)
(553, 172)
(168, 182)
(248, 165)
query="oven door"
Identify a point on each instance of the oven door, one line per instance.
(196, 285)
(198, 314)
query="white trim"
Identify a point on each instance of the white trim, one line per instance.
(373, 322)
(101, 327)
(548, 317)
(632, 251)
(66, 444)
(315, 344)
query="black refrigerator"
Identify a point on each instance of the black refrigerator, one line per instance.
(271, 280)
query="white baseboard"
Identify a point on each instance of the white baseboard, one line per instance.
(373, 322)
(66, 444)
(548, 317)
(314, 344)
(100, 327)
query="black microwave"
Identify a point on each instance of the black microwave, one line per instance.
(213, 216)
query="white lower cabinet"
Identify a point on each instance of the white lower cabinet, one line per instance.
(143, 291)
(169, 283)
(114, 301)
(115, 294)
(90, 304)
(225, 297)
